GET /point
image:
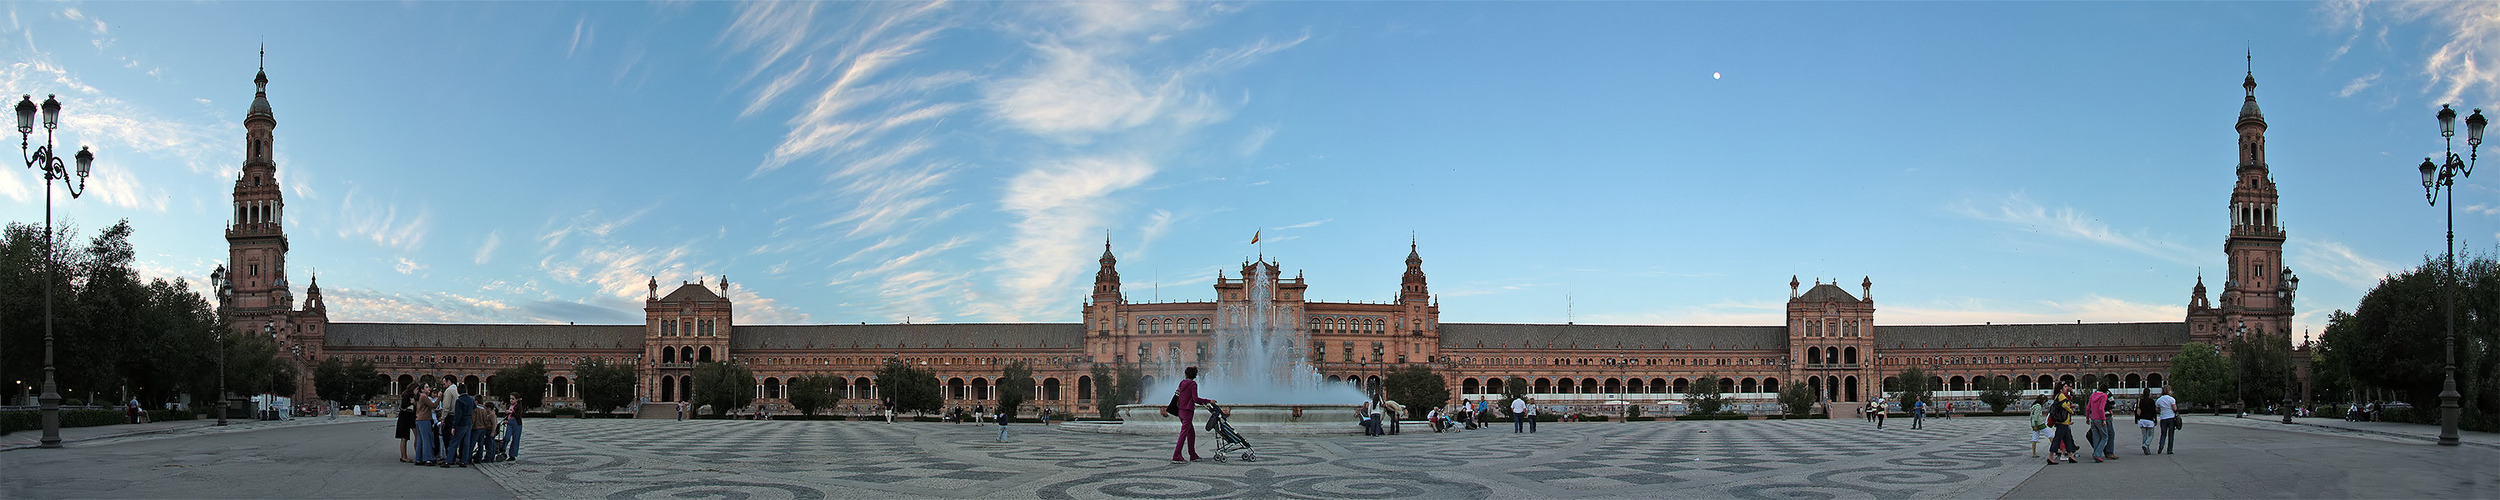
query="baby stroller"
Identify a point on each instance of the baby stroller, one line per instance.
(1223, 428)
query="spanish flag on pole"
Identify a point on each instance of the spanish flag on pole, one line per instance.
(1254, 236)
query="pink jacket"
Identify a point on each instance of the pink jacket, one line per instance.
(2098, 407)
(1188, 393)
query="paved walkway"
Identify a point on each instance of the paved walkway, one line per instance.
(2225, 457)
(1959, 458)
(105, 434)
(304, 458)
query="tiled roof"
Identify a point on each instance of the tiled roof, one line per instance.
(2032, 335)
(892, 336)
(472, 336)
(1545, 336)
(1826, 293)
(691, 292)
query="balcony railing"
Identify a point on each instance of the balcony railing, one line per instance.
(1831, 366)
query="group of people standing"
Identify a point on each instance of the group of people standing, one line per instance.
(451, 429)
(2053, 415)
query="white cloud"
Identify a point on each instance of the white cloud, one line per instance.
(2068, 223)
(2467, 34)
(2092, 308)
(381, 223)
(1060, 206)
(2338, 262)
(486, 250)
(407, 266)
(1310, 224)
(2359, 84)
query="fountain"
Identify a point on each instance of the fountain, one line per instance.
(1260, 373)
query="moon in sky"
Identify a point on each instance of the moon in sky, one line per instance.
(1714, 75)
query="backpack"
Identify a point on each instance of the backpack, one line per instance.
(2057, 413)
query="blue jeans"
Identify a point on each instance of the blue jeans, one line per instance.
(481, 444)
(424, 436)
(1002, 433)
(2107, 447)
(456, 448)
(512, 440)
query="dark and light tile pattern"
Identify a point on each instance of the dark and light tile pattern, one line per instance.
(1744, 459)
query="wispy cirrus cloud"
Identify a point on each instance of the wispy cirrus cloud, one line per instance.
(2067, 223)
(2466, 34)
(2338, 262)
(2359, 84)
(486, 250)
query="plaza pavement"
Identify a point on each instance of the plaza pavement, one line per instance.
(2256, 457)
(1961, 458)
(2220, 457)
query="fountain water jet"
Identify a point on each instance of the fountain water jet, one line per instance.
(1259, 370)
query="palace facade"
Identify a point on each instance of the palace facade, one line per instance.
(1831, 340)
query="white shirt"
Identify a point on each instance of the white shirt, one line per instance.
(1519, 406)
(2169, 407)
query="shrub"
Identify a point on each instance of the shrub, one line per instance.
(33, 420)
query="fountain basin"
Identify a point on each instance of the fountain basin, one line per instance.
(1247, 419)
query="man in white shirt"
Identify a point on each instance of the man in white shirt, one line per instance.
(2169, 408)
(1518, 407)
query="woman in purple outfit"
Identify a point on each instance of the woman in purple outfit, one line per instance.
(1187, 398)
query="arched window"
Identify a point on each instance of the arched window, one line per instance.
(668, 388)
(1469, 386)
(1050, 389)
(668, 354)
(1682, 385)
(1544, 385)
(772, 388)
(1815, 385)
(558, 387)
(1771, 385)
(704, 355)
(1956, 384)
(1849, 355)
(1084, 388)
(1831, 356)
(1852, 382)
(1746, 385)
(1813, 354)
(1563, 386)
(955, 389)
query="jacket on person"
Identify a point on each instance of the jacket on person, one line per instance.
(462, 411)
(2039, 417)
(481, 417)
(2097, 408)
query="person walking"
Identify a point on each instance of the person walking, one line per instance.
(512, 428)
(1918, 414)
(2097, 412)
(2061, 416)
(424, 426)
(1185, 403)
(2039, 423)
(1002, 426)
(2168, 411)
(1533, 411)
(2145, 418)
(407, 422)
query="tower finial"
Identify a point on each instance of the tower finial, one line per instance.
(264, 56)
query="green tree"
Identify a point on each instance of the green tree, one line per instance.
(909, 388)
(1105, 403)
(814, 392)
(1705, 397)
(1132, 383)
(2260, 362)
(347, 382)
(1997, 393)
(2198, 374)
(1015, 387)
(1797, 399)
(723, 386)
(528, 380)
(604, 387)
(1909, 387)
(1417, 388)
(1512, 389)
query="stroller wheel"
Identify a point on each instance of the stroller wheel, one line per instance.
(1249, 456)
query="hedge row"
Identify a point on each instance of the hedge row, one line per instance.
(170, 415)
(14, 421)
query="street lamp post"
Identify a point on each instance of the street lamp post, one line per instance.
(2290, 284)
(44, 159)
(221, 376)
(2439, 181)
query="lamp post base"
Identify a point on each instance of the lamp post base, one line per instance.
(51, 410)
(2448, 410)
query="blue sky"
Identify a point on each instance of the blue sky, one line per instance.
(1594, 162)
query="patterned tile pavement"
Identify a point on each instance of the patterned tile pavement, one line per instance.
(1958, 458)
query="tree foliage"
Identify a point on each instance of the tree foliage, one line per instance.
(112, 329)
(603, 386)
(2200, 375)
(722, 385)
(909, 388)
(348, 382)
(527, 380)
(2261, 363)
(1798, 399)
(1910, 386)
(1512, 389)
(815, 392)
(1015, 386)
(1704, 396)
(1997, 393)
(2396, 342)
(1416, 387)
